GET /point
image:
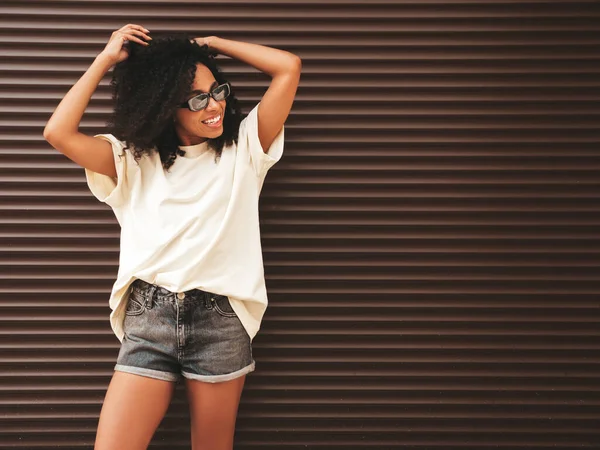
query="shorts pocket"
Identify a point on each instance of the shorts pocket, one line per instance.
(136, 304)
(222, 306)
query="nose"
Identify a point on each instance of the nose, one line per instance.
(212, 103)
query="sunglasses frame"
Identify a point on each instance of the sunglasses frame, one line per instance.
(210, 94)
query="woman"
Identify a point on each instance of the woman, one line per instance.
(182, 171)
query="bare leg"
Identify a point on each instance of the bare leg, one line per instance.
(133, 408)
(213, 412)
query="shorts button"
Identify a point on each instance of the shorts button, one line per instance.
(181, 295)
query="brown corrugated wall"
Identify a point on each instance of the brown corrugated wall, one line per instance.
(431, 235)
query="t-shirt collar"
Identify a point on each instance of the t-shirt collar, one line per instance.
(193, 151)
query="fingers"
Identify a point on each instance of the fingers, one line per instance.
(138, 27)
(130, 37)
(140, 33)
(130, 31)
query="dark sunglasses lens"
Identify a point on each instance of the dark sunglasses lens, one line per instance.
(199, 102)
(221, 92)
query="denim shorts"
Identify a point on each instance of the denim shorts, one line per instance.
(194, 334)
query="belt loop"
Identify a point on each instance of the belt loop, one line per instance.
(150, 296)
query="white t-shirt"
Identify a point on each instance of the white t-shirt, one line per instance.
(195, 226)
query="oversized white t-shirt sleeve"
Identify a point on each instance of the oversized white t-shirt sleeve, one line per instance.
(248, 139)
(105, 188)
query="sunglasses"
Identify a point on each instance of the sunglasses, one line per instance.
(200, 101)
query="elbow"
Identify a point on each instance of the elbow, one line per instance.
(294, 68)
(51, 137)
(293, 63)
(47, 134)
(297, 63)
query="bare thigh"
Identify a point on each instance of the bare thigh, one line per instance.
(133, 408)
(213, 412)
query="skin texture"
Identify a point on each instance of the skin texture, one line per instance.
(188, 124)
(213, 412)
(134, 407)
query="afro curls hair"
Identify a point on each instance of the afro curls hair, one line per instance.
(149, 86)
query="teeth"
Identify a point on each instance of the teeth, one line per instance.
(215, 120)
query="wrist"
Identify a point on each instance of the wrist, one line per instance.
(213, 42)
(104, 61)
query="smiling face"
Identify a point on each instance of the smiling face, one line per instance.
(188, 124)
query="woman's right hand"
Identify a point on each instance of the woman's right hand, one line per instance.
(115, 51)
